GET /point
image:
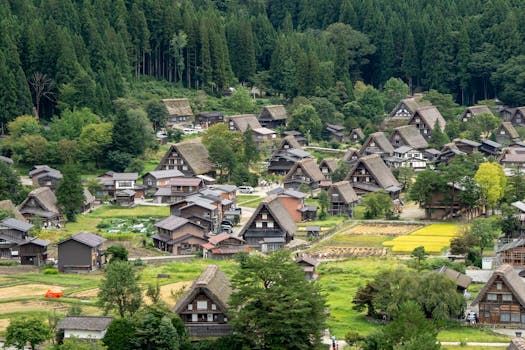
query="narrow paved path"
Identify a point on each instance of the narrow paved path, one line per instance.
(475, 344)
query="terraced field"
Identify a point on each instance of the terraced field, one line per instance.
(434, 238)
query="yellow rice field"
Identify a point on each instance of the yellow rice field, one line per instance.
(434, 238)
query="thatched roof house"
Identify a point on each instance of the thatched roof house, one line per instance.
(273, 116)
(203, 308)
(190, 157)
(408, 135)
(243, 121)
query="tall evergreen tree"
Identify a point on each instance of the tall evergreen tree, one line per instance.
(70, 194)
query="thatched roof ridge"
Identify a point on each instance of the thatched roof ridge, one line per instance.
(243, 121)
(380, 140)
(178, 106)
(512, 280)
(378, 169)
(214, 283)
(7, 205)
(431, 116)
(45, 197)
(290, 141)
(509, 128)
(330, 163)
(309, 167)
(278, 212)
(275, 112)
(346, 191)
(411, 136)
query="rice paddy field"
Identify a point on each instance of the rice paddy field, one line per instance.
(434, 238)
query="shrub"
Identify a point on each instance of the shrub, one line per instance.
(138, 262)
(102, 225)
(50, 272)
(353, 337)
(9, 263)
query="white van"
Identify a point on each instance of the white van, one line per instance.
(245, 189)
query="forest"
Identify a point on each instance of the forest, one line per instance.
(63, 54)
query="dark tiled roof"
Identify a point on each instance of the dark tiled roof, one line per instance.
(37, 241)
(85, 323)
(171, 223)
(164, 174)
(16, 224)
(86, 238)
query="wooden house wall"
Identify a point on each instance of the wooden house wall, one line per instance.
(73, 253)
(514, 257)
(491, 311)
(361, 174)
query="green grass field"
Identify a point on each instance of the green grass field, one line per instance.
(434, 238)
(249, 200)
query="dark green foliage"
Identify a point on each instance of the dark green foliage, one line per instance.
(69, 193)
(157, 114)
(119, 289)
(274, 306)
(10, 185)
(120, 334)
(378, 204)
(409, 330)
(435, 292)
(117, 252)
(27, 330)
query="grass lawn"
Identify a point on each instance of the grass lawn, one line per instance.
(249, 200)
(434, 238)
(138, 211)
(329, 222)
(469, 334)
(340, 280)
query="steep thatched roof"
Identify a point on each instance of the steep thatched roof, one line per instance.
(88, 197)
(476, 110)
(379, 138)
(278, 213)
(194, 153)
(511, 279)
(178, 106)
(290, 141)
(243, 121)
(7, 205)
(460, 279)
(431, 116)
(411, 136)
(509, 129)
(517, 343)
(359, 132)
(214, 283)
(345, 190)
(378, 169)
(45, 197)
(330, 163)
(309, 168)
(350, 153)
(411, 103)
(274, 112)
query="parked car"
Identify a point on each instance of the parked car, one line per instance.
(226, 228)
(245, 189)
(227, 222)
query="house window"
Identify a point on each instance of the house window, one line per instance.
(487, 315)
(498, 286)
(515, 318)
(202, 305)
(194, 318)
(190, 307)
(264, 216)
(367, 179)
(213, 307)
(270, 224)
(506, 297)
(502, 132)
(258, 224)
(372, 144)
(184, 167)
(210, 317)
(425, 131)
(492, 296)
(504, 317)
(355, 178)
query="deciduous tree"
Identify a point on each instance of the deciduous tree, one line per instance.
(27, 330)
(119, 289)
(274, 306)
